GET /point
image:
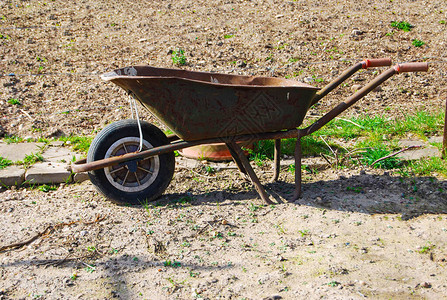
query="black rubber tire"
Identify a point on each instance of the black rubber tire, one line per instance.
(117, 134)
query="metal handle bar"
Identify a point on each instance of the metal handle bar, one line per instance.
(376, 62)
(367, 63)
(411, 67)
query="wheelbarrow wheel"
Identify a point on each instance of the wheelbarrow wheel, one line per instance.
(135, 182)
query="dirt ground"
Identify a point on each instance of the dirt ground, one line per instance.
(354, 234)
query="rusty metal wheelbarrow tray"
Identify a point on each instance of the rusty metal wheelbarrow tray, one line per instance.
(205, 108)
(201, 105)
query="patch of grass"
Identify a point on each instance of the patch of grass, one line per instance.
(13, 101)
(373, 154)
(404, 26)
(4, 162)
(174, 264)
(46, 188)
(334, 283)
(228, 36)
(13, 139)
(426, 166)
(30, 159)
(427, 248)
(178, 57)
(417, 43)
(78, 143)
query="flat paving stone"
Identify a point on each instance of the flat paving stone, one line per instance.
(17, 152)
(411, 143)
(48, 173)
(419, 153)
(59, 154)
(12, 175)
(81, 177)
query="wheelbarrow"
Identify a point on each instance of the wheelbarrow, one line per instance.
(132, 161)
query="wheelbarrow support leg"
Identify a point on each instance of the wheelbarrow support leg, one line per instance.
(246, 164)
(297, 193)
(238, 162)
(277, 161)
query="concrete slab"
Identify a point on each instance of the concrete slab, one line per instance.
(80, 177)
(410, 143)
(59, 155)
(435, 139)
(48, 173)
(12, 175)
(419, 153)
(16, 152)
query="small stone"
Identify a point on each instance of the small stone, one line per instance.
(426, 285)
(224, 222)
(56, 133)
(357, 32)
(356, 87)
(280, 258)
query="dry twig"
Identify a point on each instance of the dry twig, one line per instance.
(50, 229)
(394, 154)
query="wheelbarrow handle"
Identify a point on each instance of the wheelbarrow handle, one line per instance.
(376, 62)
(411, 67)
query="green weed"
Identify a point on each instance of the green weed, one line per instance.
(13, 101)
(174, 264)
(373, 154)
(334, 283)
(30, 160)
(404, 26)
(46, 188)
(78, 143)
(178, 57)
(13, 139)
(425, 167)
(417, 43)
(4, 162)
(427, 248)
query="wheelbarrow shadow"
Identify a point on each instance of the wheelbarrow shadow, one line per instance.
(363, 193)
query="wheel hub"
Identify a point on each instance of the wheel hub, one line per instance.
(133, 176)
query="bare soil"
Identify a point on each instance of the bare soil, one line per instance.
(354, 234)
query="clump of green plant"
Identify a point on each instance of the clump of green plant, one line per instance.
(78, 143)
(174, 264)
(417, 43)
(373, 154)
(30, 160)
(46, 188)
(333, 283)
(4, 162)
(178, 57)
(228, 36)
(404, 26)
(13, 101)
(427, 248)
(425, 167)
(13, 139)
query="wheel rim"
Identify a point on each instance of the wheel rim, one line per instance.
(121, 177)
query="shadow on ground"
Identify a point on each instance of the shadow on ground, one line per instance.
(364, 193)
